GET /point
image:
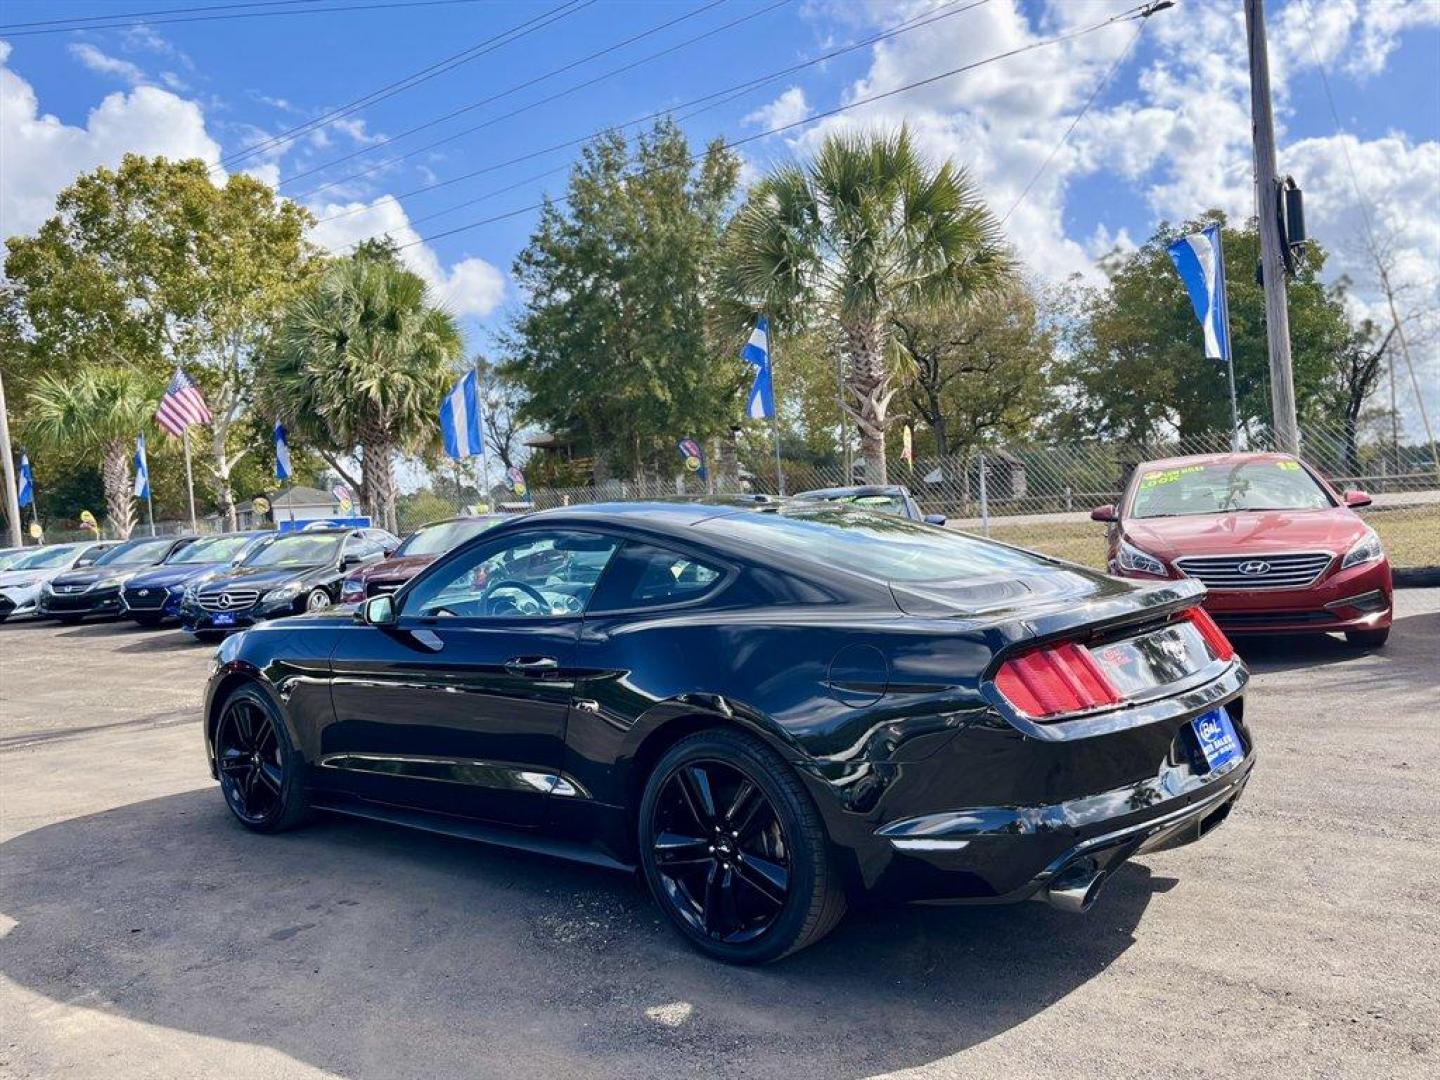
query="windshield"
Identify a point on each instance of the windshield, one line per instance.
(213, 549)
(881, 503)
(46, 558)
(10, 558)
(879, 545)
(1223, 488)
(135, 553)
(297, 549)
(441, 537)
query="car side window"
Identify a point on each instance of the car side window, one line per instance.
(648, 576)
(533, 575)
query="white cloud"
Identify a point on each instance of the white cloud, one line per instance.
(43, 155)
(103, 64)
(471, 286)
(789, 108)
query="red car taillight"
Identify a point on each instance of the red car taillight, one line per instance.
(1211, 632)
(1057, 679)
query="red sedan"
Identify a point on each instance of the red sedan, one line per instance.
(1279, 549)
(416, 551)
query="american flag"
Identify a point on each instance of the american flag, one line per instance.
(182, 405)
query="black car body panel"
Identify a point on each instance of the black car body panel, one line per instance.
(882, 697)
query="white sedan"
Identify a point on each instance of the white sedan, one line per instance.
(20, 581)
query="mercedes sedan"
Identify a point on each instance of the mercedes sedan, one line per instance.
(768, 711)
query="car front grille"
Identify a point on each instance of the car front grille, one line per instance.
(69, 590)
(150, 598)
(1289, 571)
(228, 599)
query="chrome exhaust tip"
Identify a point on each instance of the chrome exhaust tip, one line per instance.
(1076, 888)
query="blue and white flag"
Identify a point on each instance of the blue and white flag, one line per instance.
(27, 481)
(1201, 264)
(460, 419)
(142, 469)
(761, 404)
(282, 454)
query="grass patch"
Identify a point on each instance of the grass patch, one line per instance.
(1411, 535)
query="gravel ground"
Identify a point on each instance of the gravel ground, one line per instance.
(142, 934)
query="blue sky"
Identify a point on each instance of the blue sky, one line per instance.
(1166, 138)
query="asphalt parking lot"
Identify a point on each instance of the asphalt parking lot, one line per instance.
(144, 934)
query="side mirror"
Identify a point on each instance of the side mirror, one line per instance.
(378, 611)
(1357, 499)
(934, 519)
(84, 562)
(350, 562)
(1105, 513)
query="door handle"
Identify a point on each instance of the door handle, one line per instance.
(532, 665)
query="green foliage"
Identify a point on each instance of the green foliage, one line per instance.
(978, 372)
(152, 266)
(363, 360)
(1137, 366)
(865, 231)
(611, 348)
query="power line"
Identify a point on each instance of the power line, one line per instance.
(534, 104)
(387, 4)
(1099, 89)
(425, 74)
(157, 11)
(715, 98)
(1031, 47)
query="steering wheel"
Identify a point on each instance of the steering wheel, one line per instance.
(504, 583)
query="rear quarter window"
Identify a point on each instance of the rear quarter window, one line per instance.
(647, 576)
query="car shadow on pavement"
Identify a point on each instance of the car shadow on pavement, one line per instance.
(163, 640)
(1413, 645)
(368, 950)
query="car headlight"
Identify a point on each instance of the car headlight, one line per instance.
(351, 591)
(1140, 562)
(1365, 550)
(283, 593)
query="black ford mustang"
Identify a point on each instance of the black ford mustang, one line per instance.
(768, 710)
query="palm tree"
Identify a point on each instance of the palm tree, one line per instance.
(865, 230)
(99, 411)
(363, 360)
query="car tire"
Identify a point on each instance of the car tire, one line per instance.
(317, 600)
(725, 903)
(69, 620)
(261, 774)
(1368, 639)
(208, 637)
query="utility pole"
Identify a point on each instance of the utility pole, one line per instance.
(1272, 259)
(12, 495)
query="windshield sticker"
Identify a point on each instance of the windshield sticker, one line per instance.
(1288, 466)
(1168, 476)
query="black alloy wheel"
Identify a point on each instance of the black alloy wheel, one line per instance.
(734, 850)
(256, 766)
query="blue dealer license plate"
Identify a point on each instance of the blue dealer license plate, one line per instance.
(1216, 736)
(226, 619)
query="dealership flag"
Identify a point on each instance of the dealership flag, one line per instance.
(1201, 264)
(761, 404)
(282, 454)
(182, 405)
(142, 469)
(460, 419)
(27, 481)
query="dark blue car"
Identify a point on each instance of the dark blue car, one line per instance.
(154, 596)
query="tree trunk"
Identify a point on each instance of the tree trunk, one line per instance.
(119, 492)
(378, 482)
(868, 381)
(223, 491)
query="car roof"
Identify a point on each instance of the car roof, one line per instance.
(853, 491)
(1228, 458)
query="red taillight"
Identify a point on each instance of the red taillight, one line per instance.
(1061, 678)
(1211, 632)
